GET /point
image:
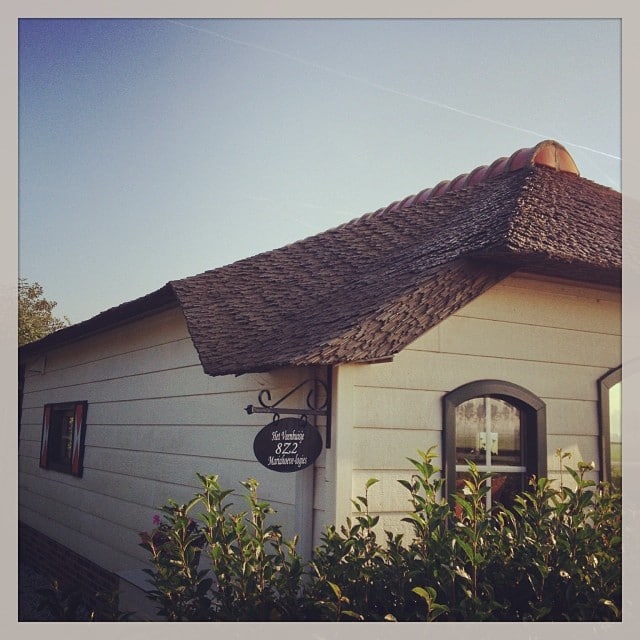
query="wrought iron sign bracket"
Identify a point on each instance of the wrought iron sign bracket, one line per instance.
(316, 406)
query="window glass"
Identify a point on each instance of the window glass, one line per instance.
(470, 422)
(488, 432)
(61, 437)
(610, 410)
(506, 427)
(501, 428)
(615, 433)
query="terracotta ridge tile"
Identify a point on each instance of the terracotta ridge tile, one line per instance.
(548, 153)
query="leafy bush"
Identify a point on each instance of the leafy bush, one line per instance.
(258, 574)
(67, 603)
(555, 555)
(563, 551)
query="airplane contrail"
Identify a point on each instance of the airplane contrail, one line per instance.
(381, 87)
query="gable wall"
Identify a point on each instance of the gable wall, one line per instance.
(154, 419)
(554, 338)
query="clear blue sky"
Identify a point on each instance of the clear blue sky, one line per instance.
(154, 149)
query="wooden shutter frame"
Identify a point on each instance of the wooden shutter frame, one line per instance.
(44, 443)
(79, 432)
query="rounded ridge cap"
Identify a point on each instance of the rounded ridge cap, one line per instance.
(547, 153)
(550, 153)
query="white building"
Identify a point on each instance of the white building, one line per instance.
(482, 316)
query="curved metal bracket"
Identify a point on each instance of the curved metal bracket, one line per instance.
(317, 401)
(312, 403)
(316, 405)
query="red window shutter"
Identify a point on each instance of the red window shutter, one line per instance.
(79, 428)
(44, 445)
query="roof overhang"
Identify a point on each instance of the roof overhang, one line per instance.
(152, 303)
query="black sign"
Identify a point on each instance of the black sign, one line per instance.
(286, 445)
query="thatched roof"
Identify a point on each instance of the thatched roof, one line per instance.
(366, 289)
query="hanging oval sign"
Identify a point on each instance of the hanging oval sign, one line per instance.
(288, 444)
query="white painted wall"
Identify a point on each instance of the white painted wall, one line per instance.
(552, 337)
(154, 419)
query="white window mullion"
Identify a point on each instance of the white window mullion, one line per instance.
(496, 468)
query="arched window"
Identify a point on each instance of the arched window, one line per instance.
(500, 427)
(610, 405)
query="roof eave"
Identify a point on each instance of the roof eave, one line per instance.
(566, 268)
(159, 300)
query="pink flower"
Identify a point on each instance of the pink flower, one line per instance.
(156, 520)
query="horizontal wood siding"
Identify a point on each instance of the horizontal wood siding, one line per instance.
(154, 421)
(554, 338)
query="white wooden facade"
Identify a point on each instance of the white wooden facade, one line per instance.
(554, 338)
(155, 419)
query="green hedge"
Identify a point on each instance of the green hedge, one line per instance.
(556, 555)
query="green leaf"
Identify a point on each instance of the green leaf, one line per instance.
(462, 573)
(467, 550)
(352, 614)
(610, 605)
(464, 504)
(336, 589)
(427, 594)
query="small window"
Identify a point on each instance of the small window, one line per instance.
(501, 428)
(610, 396)
(63, 430)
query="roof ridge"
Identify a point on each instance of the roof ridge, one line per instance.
(548, 153)
(363, 292)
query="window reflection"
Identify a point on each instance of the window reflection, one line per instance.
(62, 436)
(489, 433)
(615, 433)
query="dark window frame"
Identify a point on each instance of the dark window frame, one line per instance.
(75, 465)
(533, 408)
(605, 383)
